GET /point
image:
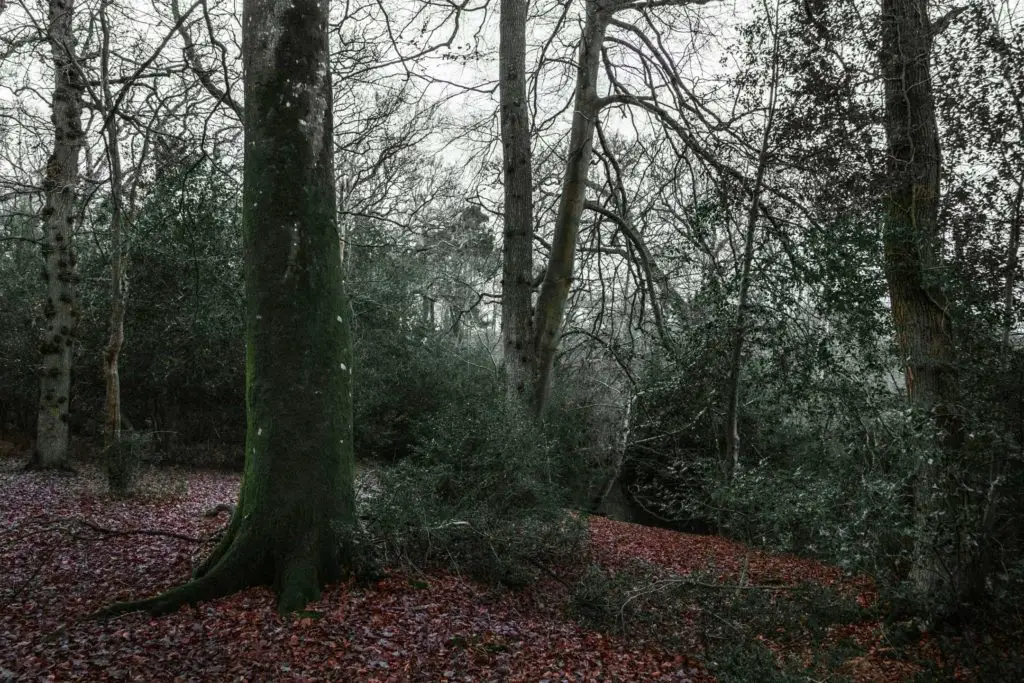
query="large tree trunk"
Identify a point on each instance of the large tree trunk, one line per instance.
(517, 264)
(913, 269)
(296, 506)
(60, 182)
(554, 290)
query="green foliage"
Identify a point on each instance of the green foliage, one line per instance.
(583, 425)
(403, 369)
(831, 454)
(479, 495)
(606, 601)
(464, 481)
(184, 354)
(182, 362)
(728, 621)
(828, 450)
(401, 379)
(21, 324)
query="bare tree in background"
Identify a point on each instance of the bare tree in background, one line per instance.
(731, 457)
(119, 277)
(546, 319)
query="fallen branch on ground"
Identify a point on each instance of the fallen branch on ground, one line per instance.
(134, 532)
(58, 524)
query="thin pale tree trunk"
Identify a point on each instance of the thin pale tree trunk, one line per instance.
(731, 456)
(1012, 263)
(60, 184)
(115, 339)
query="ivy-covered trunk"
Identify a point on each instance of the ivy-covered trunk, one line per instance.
(59, 185)
(913, 267)
(296, 506)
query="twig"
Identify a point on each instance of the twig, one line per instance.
(132, 532)
(725, 621)
(55, 525)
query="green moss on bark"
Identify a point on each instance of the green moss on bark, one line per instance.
(297, 502)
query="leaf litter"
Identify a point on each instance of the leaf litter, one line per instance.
(55, 571)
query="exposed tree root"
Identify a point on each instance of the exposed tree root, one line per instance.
(219, 508)
(237, 563)
(48, 524)
(130, 532)
(227, 543)
(188, 594)
(230, 575)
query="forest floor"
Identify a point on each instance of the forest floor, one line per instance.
(653, 605)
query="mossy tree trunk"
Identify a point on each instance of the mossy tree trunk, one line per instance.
(296, 506)
(59, 185)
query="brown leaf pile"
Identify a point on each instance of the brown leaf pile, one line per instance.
(55, 571)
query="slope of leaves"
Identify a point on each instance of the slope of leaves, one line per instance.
(616, 544)
(56, 571)
(66, 549)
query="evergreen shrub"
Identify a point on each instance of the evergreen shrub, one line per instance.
(479, 495)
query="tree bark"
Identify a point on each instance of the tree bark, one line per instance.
(1012, 263)
(554, 290)
(60, 183)
(517, 257)
(731, 457)
(913, 241)
(296, 508)
(115, 339)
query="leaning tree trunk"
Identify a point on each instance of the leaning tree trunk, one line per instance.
(517, 257)
(296, 506)
(554, 291)
(913, 242)
(59, 185)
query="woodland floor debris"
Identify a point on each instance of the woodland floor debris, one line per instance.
(437, 627)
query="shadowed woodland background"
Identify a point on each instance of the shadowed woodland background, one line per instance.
(738, 351)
